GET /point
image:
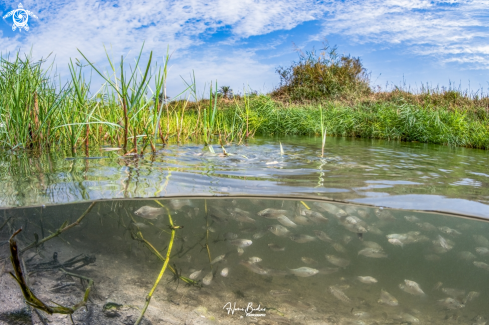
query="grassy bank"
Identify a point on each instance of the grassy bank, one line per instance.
(129, 110)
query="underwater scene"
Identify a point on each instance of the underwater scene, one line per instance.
(253, 260)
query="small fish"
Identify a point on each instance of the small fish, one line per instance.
(149, 212)
(371, 252)
(438, 285)
(339, 248)
(467, 256)
(255, 268)
(331, 208)
(225, 272)
(411, 219)
(230, 236)
(140, 225)
(111, 149)
(408, 318)
(322, 236)
(218, 259)
(301, 238)
(372, 244)
(315, 217)
(396, 242)
(302, 221)
(454, 293)
(484, 251)
(442, 245)
(451, 303)
(259, 234)
(328, 270)
(278, 230)
(276, 248)
(384, 214)
(387, 299)
(481, 240)
(426, 226)
(304, 271)
(209, 228)
(241, 215)
(195, 275)
(254, 260)
(347, 239)
(309, 260)
(367, 279)
(241, 242)
(482, 265)
(272, 213)
(412, 288)
(240, 251)
(339, 294)
(286, 221)
(449, 231)
(208, 278)
(338, 261)
(471, 295)
(178, 204)
(279, 293)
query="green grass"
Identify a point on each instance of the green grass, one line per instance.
(129, 111)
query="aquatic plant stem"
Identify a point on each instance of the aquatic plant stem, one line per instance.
(62, 229)
(29, 296)
(165, 264)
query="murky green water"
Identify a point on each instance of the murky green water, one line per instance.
(299, 260)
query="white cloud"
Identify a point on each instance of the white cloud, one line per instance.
(444, 28)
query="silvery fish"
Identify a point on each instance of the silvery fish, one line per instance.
(301, 239)
(304, 271)
(387, 299)
(367, 279)
(340, 249)
(240, 251)
(374, 230)
(482, 265)
(451, 303)
(438, 285)
(442, 245)
(286, 221)
(279, 293)
(396, 242)
(208, 279)
(241, 242)
(309, 260)
(411, 219)
(372, 244)
(241, 215)
(372, 252)
(484, 251)
(322, 236)
(339, 294)
(471, 295)
(481, 240)
(331, 208)
(301, 220)
(259, 234)
(328, 270)
(449, 231)
(363, 214)
(254, 260)
(276, 248)
(338, 261)
(384, 214)
(148, 212)
(230, 236)
(178, 204)
(272, 213)
(454, 293)
(408, 318)
(255, 268)
(218, 259)
(315, 216)
(412, 288)
(195, 275)
(426, 226)
(467, 256)
(225, 272)
(346, 239)
(278, 230)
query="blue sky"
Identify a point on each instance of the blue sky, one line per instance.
(241, 43)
